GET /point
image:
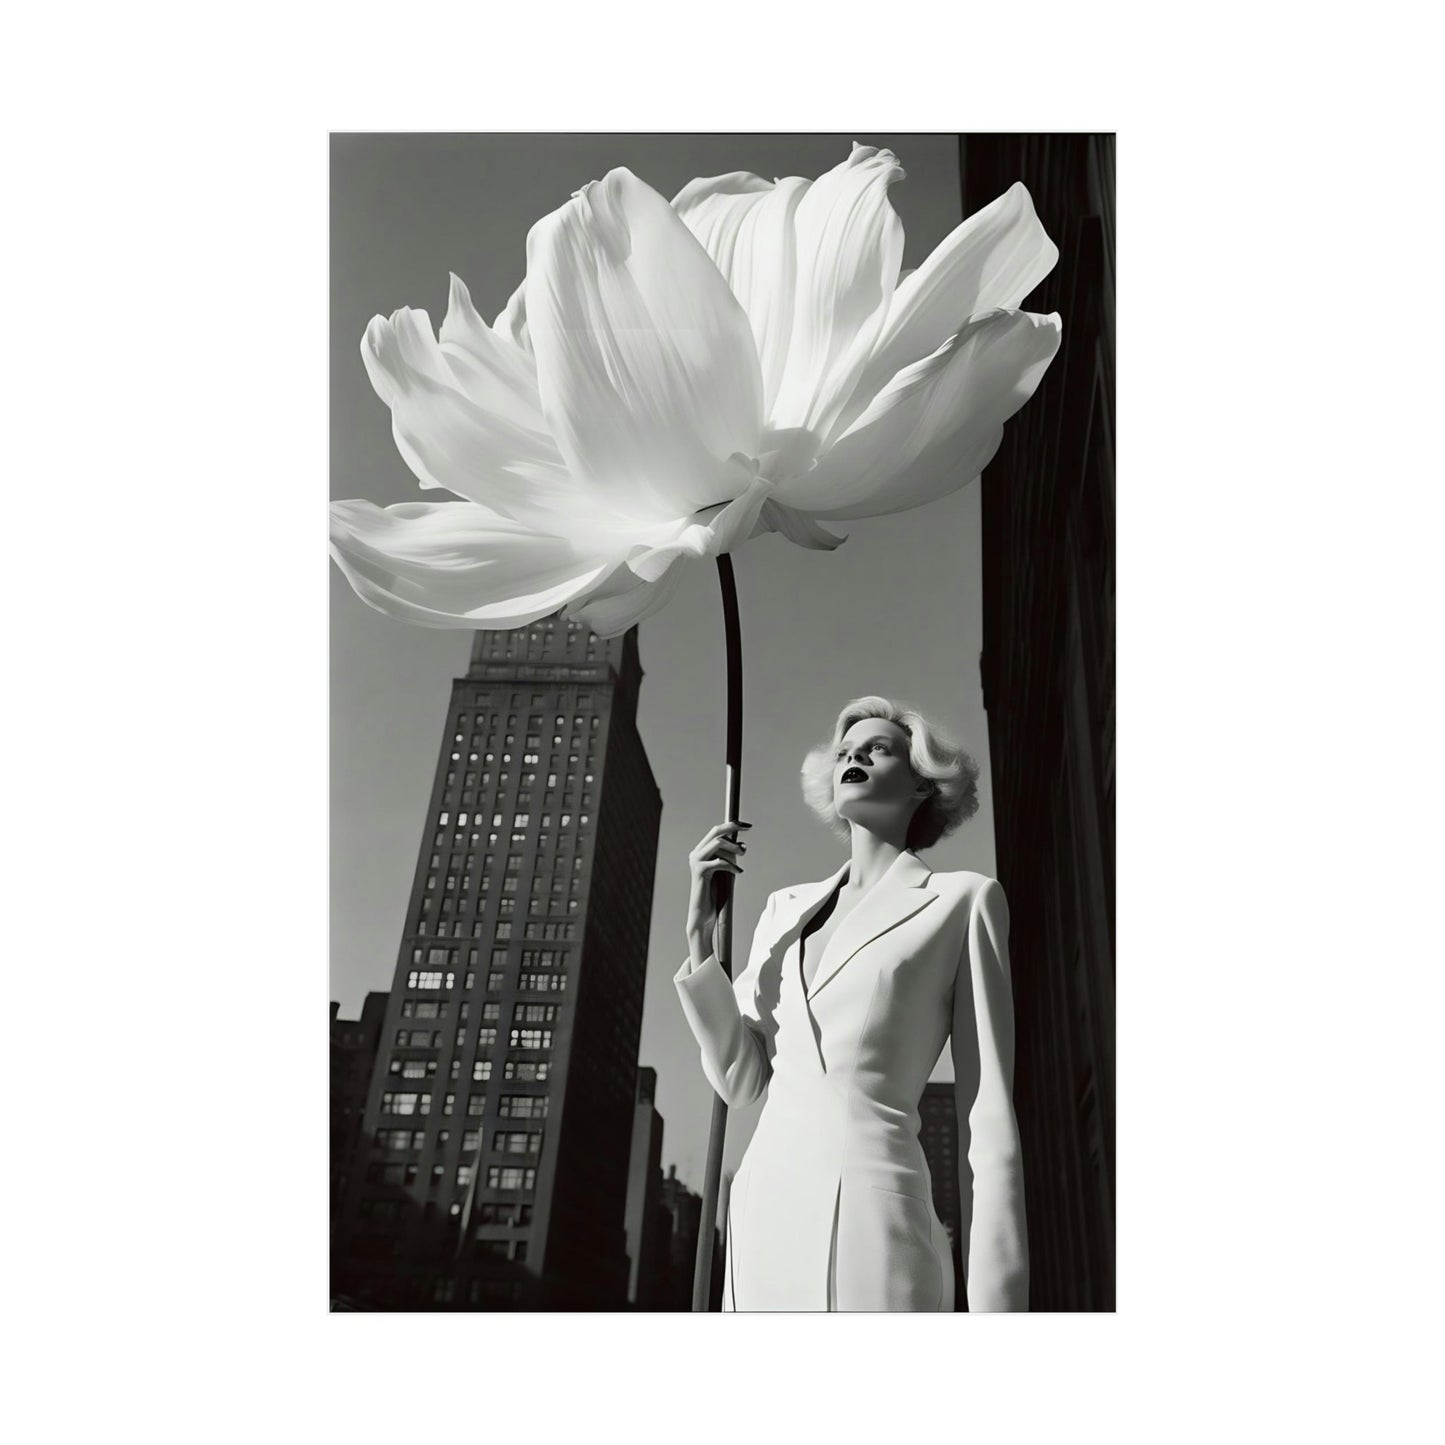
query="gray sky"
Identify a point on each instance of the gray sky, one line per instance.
(895, 610)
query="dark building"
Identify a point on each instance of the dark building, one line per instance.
(647, 1232)
(684, 1209)
(938, 1133)
(494, 1158)
(1048, 682)
(353, 1054)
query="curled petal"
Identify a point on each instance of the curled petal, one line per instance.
(746, 224)
(511, 322)
(455, 564)
(849, 244)
(993, 260)
(496, 375)
(937, 423)
(796, 527)
(645, 361)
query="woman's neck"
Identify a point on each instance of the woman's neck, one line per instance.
(873, 855)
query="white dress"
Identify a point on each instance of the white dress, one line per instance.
(832, 1204)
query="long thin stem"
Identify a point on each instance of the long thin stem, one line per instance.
(723, 935)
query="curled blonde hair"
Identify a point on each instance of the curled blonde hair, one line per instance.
(931, 754)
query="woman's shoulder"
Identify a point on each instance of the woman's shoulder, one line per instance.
(962, 879)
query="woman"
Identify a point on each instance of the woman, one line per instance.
(851, 988)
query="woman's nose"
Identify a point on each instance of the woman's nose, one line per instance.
(858, 756)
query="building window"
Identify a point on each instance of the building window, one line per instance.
(495, 981)
(486, 1038)
(510, 1176)
(481, 1071)
(414, 1068)
(516, 1141)
(522, 1106)
(526, 1071)
(530, 1039)
(492, 1012)
(399, 1139)
(423, 1008)
(534, 1013)
(470, 1139)
(476, 1105)
(430, 978)
(406, 1103)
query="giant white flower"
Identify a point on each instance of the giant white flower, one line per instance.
(671, 380)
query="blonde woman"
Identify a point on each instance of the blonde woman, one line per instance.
(851, 988)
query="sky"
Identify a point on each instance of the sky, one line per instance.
(895, 610)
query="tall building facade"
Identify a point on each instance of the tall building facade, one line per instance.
(938, 1134)
(493, 1166)
(647, 1233)
(353, 1055)
(1048, 682)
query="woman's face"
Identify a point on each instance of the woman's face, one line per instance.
(873, 782)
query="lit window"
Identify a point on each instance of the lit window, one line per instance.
(510, 1176)
(477, 1105)
(481, 1071)
(531, 1039)
(522, 1106)
(516, 1141)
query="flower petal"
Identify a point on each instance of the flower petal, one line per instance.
(624, 600)
(994, 259)
(707, 534)
(797, 527)
(646, 365)
(455, 564)
(746, 224)
(494, 457)
(496, 375)
(849, 244)
(937, 423)
(512, 321)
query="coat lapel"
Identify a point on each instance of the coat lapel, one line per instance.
(898, 895)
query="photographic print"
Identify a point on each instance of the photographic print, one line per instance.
(722, 722)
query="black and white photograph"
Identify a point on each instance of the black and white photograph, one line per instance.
(722, 722)
(818, 629)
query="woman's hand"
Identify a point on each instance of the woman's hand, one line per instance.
(716, 854)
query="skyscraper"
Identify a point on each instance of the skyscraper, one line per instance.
(1048, 683)
(647, 1241)
(493, 1166)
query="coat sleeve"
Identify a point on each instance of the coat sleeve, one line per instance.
(726, 1020)
(991, 1175)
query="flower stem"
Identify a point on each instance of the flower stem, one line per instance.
(723, 935)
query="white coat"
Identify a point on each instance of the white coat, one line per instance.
(832, 1204)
